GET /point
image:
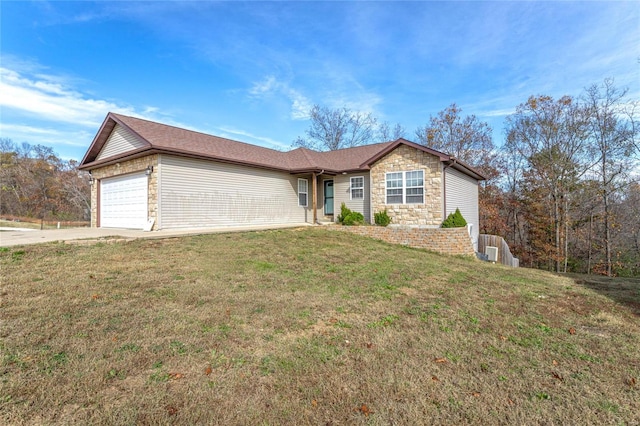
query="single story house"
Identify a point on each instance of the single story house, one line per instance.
(150, 174)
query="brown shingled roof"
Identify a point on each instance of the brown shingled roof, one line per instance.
(162, 138)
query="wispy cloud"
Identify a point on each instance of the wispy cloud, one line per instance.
(27, 90)
(46, 98)
(41, 107)
(61, 138)
(270, 86)
(233, 133)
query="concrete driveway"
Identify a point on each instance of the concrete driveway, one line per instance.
(17, 237)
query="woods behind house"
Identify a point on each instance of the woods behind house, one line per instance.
(36, 183)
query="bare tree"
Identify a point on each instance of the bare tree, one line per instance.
(332, 129)
(465, 137)
(613, 135)
(551, 135)
(386, 133)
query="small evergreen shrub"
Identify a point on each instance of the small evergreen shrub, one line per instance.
(344, 211)
(382, 218)
(454, 220)
(348, 217)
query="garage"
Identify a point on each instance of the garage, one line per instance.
(123, 201)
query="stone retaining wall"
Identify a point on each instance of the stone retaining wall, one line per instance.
(442, 240)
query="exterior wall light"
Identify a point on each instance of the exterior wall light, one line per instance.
(149, 171)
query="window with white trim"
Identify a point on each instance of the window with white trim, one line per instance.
(405, 187)
(414, 182)
(395, 193)
(303, 192)
(357, 188)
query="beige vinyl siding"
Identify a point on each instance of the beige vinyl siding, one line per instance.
(200, 193)
(462, 192)
(121, 140)
(342, 189)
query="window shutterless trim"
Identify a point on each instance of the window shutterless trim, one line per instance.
(401, 191)
(352, 188)
(420, 193)
(303, 191)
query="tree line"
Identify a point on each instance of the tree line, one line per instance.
(36, 183)
(563, 189)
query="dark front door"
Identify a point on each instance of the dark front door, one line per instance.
(328, 197)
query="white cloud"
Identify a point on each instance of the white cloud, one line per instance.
(67, 139)
(360, 101)
(47, 98)
(43, 108)
(264, 87)
(227, 132)
(270, 86)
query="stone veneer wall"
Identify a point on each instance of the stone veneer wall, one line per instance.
(442, 240)
(405, 158)
(125, 167)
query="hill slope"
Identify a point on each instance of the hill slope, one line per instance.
(307, 327)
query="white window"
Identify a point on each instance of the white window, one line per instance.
(303, 192)
(357, 188)
(414, 182)
(405, 187)
(395, 193)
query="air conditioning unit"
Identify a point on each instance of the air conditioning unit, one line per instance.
(492, 253)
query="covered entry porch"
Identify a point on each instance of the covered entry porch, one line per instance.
(319, 187)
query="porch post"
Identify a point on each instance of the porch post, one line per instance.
(314, 202)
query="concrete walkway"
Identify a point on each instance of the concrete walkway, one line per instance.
(19, 237)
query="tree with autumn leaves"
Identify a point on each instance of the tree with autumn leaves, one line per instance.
(36, 183)
(470, 140)
(576, 164)
(560, 189)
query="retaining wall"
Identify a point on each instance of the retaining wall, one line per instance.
(442, 240)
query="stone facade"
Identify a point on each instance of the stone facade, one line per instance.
(405, 158)
(122, 168)
(452, 241)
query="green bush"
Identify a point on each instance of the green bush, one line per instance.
(454, 220)
(382, 218)
(344, 211)
(348, 217)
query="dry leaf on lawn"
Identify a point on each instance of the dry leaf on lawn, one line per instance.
(365, 410)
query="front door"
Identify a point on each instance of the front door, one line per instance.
(328, 197)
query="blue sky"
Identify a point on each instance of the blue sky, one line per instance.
(251, 70)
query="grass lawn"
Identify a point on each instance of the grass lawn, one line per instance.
(307, 326)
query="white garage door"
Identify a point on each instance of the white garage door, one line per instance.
(123, 201)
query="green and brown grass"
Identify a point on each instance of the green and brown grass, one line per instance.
(307, 327)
